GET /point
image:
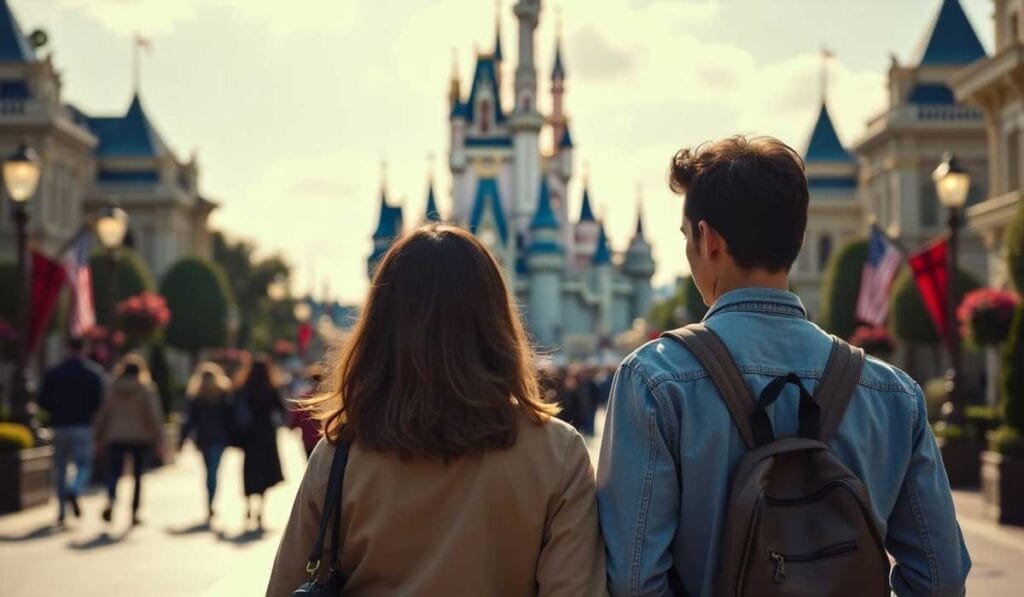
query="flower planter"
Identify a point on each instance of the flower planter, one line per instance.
(25, 478)
(961, 459)
(1002, 485)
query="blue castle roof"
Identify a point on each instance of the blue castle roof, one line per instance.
(950, 39)
(487, 197)
(14, 46)
(931, 93)
(130, 135)
(545, 216)
(586, 213)
(566, 141)
(558, 70)
(603, 253)
(824, 145)
(390, 224)
(433, 214)
(484, 74)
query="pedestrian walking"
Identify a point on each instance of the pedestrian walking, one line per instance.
(71, 393)
(207, 421)
(258, 394)
(301, 418)
(459, 480)
(754, 454)
(129, 423)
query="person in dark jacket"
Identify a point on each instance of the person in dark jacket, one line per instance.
(261, 468)
(300, 417)
(71, 393)
(207, 420)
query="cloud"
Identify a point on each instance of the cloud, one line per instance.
(597, 57)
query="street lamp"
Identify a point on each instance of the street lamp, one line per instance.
(21, 171)
(952, 184)
(302, 311)
(111, 227)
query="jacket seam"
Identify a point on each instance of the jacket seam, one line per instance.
(640, 524)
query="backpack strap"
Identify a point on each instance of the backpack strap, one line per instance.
(331, 511)
(837, 385)
(712, 354)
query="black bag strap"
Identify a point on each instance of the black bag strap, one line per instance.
(332, 503)
(837, 385)
(712, 354)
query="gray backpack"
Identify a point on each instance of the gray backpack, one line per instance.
(798, 521)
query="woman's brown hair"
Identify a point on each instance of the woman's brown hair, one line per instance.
(438, 364)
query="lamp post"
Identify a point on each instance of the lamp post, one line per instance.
(111, 227)
(952, 183)
(21, 171)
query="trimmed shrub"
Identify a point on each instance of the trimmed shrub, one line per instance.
(198, 296)
(840, 286)
(908, 318)
(132, 277)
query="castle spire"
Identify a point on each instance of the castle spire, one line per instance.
(497, 31)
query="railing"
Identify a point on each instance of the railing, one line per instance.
(920, 113)
(13, 107)
(932, 113)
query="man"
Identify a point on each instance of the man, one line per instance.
(71, 393)
(670, 446)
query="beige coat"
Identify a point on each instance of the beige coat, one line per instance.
(520, 521)
(130, 413)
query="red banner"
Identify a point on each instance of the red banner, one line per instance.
(47, 279)
(930, 269)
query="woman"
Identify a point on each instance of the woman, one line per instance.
(460, 480)
(207, 420)
(129, 422)
(261, 468)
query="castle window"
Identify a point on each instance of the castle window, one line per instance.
(485, 116)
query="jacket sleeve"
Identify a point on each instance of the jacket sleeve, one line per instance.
(923, 535)
(637, 489)
(289, 570)
(572, 557)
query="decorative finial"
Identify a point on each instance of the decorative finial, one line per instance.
(430, 167)
(586, 172)
(558, 22)
(826, 55)
(138, 43)
(383, 174)
(455, 63)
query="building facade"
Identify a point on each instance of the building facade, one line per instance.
(91, 162)
(577, 293)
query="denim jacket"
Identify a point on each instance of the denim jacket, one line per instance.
(670, 447)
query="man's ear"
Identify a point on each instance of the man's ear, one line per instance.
(712, 243)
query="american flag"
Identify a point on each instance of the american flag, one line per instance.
(883, 261)
(76, 264)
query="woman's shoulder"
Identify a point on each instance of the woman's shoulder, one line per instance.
(553, 435)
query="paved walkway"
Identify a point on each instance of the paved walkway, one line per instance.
(173, 554)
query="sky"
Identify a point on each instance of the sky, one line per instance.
(293, 106)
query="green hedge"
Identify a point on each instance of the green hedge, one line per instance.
(840, 286)
(908, 319)
(198, 296)
(132, 276)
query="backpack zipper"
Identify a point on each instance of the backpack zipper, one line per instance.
(827, 552)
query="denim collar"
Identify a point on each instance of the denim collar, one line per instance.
(758, 300)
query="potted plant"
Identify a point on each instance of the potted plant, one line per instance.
(25, 471)
(1002, 466)
(142, 316)
(875, 340)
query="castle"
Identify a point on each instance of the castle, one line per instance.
(577, 293)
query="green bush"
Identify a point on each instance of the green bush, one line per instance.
(131, 277)
(695, 307)
(14, 437)
(840, 286)
(1007, 441)
(198, 296)
(908, 318)
(1015, 248)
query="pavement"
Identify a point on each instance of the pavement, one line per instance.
(174, 553)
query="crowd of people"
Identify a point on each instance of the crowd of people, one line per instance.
(581, 390)
(111, 419)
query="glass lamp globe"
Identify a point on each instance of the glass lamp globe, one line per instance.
(952, 182)
(302, 311)
(111, 226)
(21, 173)
(277, 290)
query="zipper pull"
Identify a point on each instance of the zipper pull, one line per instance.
(780, 567)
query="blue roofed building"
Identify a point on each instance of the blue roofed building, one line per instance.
(512, 168)
(901, 146)
(90, 161)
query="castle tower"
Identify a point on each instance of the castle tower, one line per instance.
(545, 261)
(601, 281)
(557, 118)
(389, 227)
(433, 214)
(585, 233)
(525, 122)
(638, 266)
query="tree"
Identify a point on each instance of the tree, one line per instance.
(1015, 249)
(840, 287)
(131, 276)
(695, 307)
(908, 318)
(262, 319)
(199, 297)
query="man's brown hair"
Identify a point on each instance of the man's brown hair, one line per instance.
(438, 364)
(752, 190)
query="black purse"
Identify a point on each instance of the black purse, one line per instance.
(332, 585)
